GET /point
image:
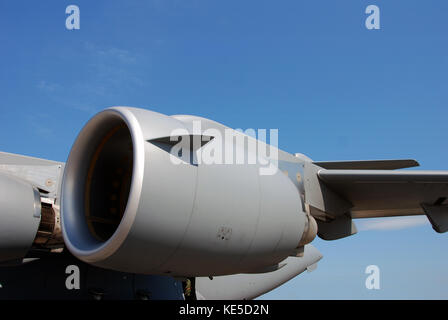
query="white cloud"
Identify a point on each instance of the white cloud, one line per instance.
(391, 223)
(105, 76)
(47, 86)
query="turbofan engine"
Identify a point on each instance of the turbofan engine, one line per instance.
(127, 206)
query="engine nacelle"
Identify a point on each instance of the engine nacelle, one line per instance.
(20, 212)
(127, 206)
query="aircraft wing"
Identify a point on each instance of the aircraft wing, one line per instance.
(45, 175)
(343, 194)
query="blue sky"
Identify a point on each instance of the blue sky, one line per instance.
(334, 89)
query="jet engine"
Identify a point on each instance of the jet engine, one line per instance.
(29, 220)
(20, 211)
(131, 204)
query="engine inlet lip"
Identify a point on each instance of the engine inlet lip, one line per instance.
(76, 235)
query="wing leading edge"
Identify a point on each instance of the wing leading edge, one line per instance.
(369, 164)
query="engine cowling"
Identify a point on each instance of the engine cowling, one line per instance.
(20, 212)
(127, 206)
